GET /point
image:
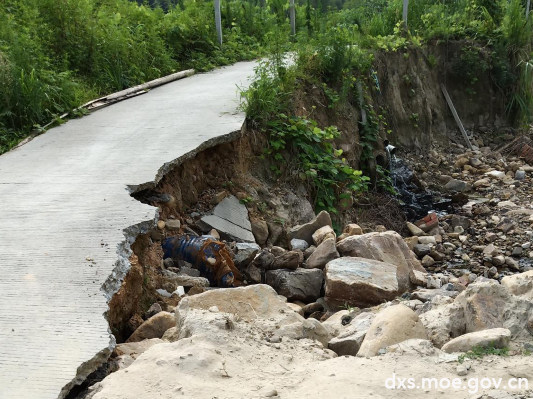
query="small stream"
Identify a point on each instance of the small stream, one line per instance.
(415, 199)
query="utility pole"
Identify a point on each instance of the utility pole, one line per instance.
(293, 18)
(527, 8)
(218, 21)
(405, 9)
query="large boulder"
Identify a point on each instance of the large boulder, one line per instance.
(494, 337)
(349, 341)
(360, 282)
(248, 303)
(391, 326)
(386, 247)
(520, 284)
(488, 304)
(297, 285)
(154, 327)
(306, 231)
(325, 252)
(443, 323)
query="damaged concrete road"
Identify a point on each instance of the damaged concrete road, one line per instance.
(67, 221)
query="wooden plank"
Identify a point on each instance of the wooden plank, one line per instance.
(455, 115)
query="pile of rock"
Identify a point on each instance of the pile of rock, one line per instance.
(329, 272)
(492, 231)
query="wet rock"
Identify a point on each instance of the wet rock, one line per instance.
(288, 260)
(392, 325)
(360, 282)
(246, 253)
(302, 245)
(297, 285)
(260, 231)
(325, 252)
(495, 337)
(322, 234)
(351, 229)
(388, 247)
(154, 327)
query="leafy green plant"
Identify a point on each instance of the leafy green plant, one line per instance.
(480, 351)
(317, 161)
(246, 200)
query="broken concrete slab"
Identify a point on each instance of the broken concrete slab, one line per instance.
(230, 219)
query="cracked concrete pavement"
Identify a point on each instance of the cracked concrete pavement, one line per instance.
(67, 220)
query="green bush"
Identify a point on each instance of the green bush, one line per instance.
(317, 161)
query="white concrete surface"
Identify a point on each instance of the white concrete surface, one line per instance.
(64, 200)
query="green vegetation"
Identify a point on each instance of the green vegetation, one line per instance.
(337, 53)
(56, 55)
(479, 351)
(315, 159)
